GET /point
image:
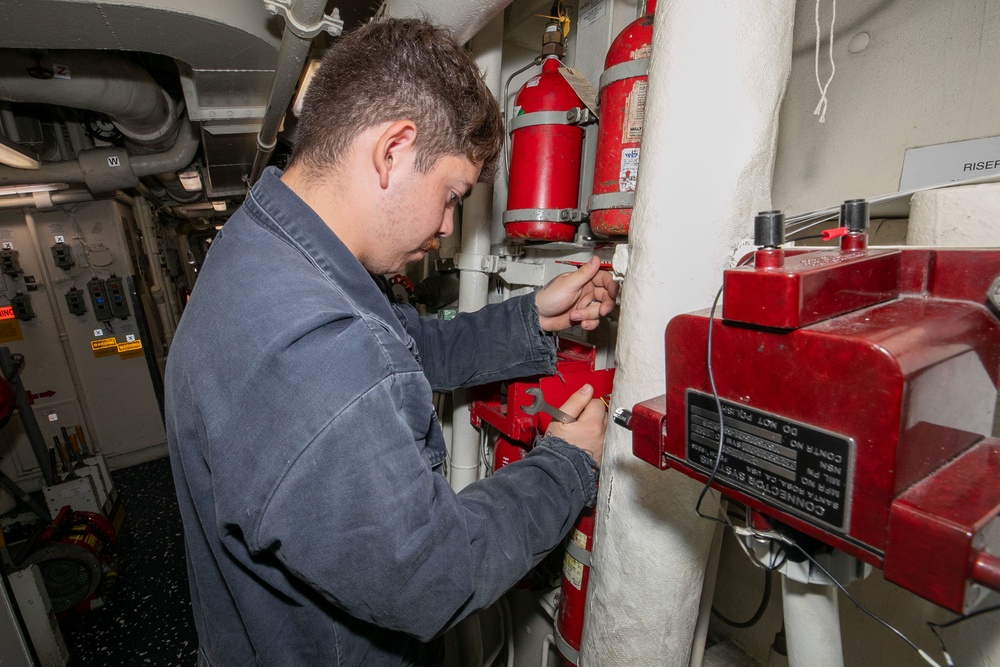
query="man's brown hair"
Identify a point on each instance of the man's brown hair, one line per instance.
(399, 69)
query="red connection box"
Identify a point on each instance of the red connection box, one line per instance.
(810, 287)
(866, 429)
(501, 405)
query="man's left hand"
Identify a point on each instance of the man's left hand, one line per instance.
(580, 297)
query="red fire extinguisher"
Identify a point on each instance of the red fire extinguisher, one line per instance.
(573, 592)
(619, 133)
(545, 152)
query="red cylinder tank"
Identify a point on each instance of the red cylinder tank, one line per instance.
(545, 157)
(619, 134)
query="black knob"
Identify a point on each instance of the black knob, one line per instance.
(769, 229)
(854, 215)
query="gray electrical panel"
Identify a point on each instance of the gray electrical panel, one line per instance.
(87, 346)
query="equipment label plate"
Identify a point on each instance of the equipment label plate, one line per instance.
(799, 468)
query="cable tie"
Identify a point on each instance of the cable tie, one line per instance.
(836, 232)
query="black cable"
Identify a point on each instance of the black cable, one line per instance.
(854, 601)
(757, 615)
(722, 423)
(955, 621)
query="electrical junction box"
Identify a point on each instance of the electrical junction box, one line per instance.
(21, 303)
(9, 263)
(117, 297)
(99, 300)
(75, 302)
(62, 255)
(858, 391)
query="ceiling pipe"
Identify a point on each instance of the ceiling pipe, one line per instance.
(101, 82)
(304, 20)
(465, 18)
(111, 168)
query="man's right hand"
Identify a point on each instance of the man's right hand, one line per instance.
(587, 432)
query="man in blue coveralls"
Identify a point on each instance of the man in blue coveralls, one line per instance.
(305, 447)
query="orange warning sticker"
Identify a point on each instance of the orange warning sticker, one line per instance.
(104, 347)
(132, 348)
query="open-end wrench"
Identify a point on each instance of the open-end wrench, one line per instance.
(538, 404)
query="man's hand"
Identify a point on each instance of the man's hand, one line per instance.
(580, 297)
(587, 432)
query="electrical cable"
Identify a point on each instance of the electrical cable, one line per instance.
(757, 615)
(722, 423)
(955, 621)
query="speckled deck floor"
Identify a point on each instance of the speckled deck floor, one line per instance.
(147, 619)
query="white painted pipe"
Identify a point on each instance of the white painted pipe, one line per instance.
(465, 18)
(812, 624)
(473, 287)
(718, 71)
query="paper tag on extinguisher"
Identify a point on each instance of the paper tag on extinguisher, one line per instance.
(581, 86)
(573, 571)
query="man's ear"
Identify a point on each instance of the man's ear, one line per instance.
(394, 146)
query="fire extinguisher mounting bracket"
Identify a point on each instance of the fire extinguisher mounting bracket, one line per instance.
(543, 215)
(625, 70)
(574, 116)
(611, 200)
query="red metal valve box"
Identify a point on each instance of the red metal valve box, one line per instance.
(836, 420)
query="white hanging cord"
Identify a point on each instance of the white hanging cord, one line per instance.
(821, 107)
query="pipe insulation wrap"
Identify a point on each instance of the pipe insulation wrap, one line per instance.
(100, 82)
(463, 17)
(718, 72)
(812, 624)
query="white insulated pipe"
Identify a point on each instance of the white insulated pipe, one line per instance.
(812, 624)
(465, 18)
(718, 72)
(473, 286)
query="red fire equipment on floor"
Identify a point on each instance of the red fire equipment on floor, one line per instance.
(858, 388)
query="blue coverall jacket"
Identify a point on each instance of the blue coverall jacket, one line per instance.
(306, 453)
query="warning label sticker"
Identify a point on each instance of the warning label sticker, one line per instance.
(10, 329)
(628, 169)
(573, 571)
(104, 347)
(796, 467)
(130, 349)
(635, 113)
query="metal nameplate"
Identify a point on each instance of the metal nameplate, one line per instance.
(801, 469)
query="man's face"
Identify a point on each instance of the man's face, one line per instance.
(419, 210)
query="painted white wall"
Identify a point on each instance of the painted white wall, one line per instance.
(926, 76)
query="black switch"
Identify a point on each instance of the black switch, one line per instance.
(117, 297)
(75, 302)
(99, 299)
(10, 264)
(62, 254)
(21, 303)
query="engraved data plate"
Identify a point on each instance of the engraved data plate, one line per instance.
(798, 468)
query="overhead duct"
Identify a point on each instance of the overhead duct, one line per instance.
(101, 82)
(463, 17)
(111, 168)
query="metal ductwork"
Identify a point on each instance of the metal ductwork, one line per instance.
(111, 168)
(101, 82)
(463, 17)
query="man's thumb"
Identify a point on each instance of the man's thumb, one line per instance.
(578, 401)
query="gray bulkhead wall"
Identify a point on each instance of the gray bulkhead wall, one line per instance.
(108, 391)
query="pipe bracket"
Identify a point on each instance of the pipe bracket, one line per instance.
(330, 23)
